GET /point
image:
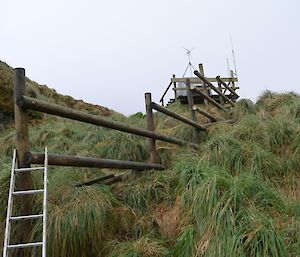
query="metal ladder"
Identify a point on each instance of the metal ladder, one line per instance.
(15, 170)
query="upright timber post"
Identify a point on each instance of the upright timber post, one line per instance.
(150, 127)
(232, 78)
(191, 104)
(201, 70)
(220, 88)
(174, 88)
(24, 179)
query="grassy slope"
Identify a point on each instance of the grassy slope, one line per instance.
(41, 92)
(237, 196)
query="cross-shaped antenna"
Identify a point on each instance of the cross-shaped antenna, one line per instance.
(190, 65)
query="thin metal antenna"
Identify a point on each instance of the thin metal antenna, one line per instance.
(190, 65)
(228, 67)
(233, 55)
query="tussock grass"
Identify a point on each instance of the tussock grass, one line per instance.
(144, 246)
(122, 146)
(80, 222)
(168, 219)
(281, 133)
(243, 107)
(236, 196)
(250, 129)
(185, 244)
(260, 236)
(217, 202)
(273, 102)
(139, 196)
(6, 142)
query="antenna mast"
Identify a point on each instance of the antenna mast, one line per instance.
(228, 67)
(190, 65)
(233, 55)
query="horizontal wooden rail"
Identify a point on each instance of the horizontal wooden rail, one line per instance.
(66, 112)
(205, 113)
(227, 87)
(106, 180)
(197, 73)
(94, 180)
(89, 162)
(166, 111)
(115, 179)
(194, 80)
(220, 122)
(185, 88)
(207, 97)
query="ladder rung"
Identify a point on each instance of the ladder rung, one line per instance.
(25, 245)
(28, 192)
(35, 216)
(30, 169)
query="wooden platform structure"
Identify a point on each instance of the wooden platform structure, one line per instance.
(180, 86)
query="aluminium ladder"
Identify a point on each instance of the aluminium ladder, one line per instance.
(14, 171)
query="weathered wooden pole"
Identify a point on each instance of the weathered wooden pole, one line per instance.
(62, 111)
(177, 116)
(191, 104)
(223, 92)
(208, 98)
(164, 94)
(201, 70)
(24, 179)
(91, 162)
(174, 88)
(205, 80)
(205, 113)
(232, 78)
(150, 127)
(235, 95)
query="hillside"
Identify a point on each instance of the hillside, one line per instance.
(238, 195)
(38, 91)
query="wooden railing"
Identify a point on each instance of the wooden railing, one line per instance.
(23, 103)
(150, 106)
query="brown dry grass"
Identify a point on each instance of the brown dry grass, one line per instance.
(290, 187)
(168, 219)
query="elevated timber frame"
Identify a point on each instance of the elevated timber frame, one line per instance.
(206, 85)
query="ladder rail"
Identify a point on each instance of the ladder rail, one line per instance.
(27, 245)
(9, 205)
(30, 169)
(44, 249)
(28, 192)
(24, 217)
(12, 193)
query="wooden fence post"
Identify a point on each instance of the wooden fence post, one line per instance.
(150, 127)
(232, 78)
(220, 98)
(205, 89)
(191, 104)
(24, 179)
(174, 88)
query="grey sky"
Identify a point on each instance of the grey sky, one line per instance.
(112, 52)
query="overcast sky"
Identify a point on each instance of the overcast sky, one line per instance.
(111, 52)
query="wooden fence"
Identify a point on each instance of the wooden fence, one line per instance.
(23, 103)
